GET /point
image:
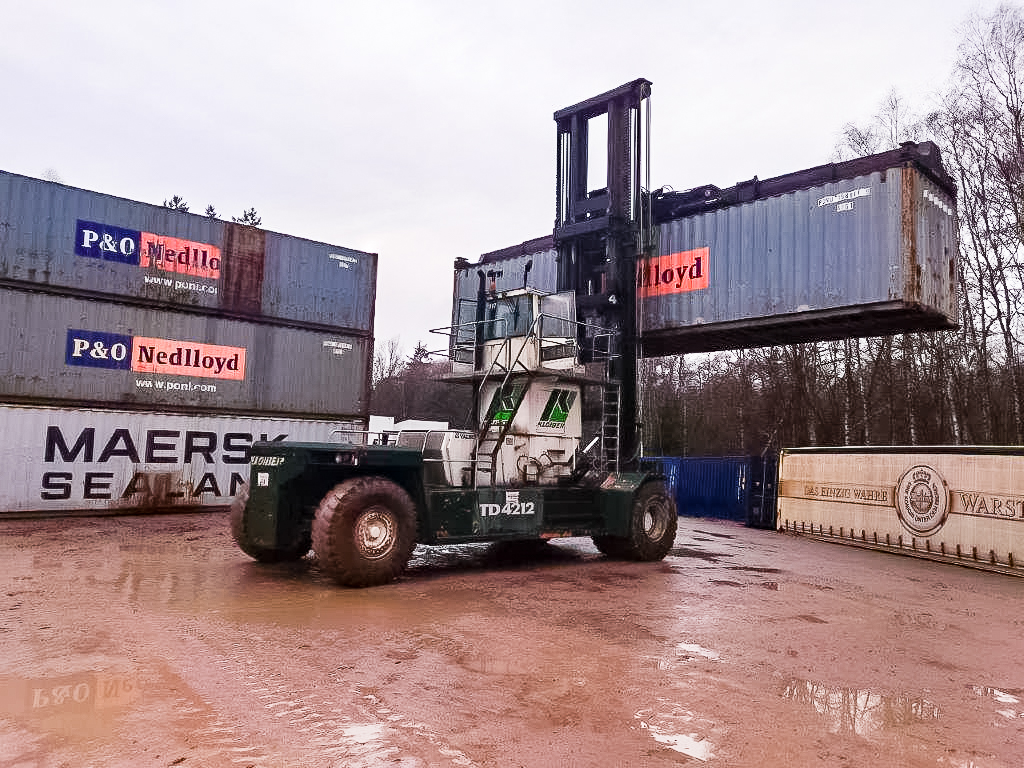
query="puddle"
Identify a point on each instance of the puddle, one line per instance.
(364, 734)
(87, 704)
(700, 554)
(859, 711)
(678, 729)
(691, 650)
(1009, 701)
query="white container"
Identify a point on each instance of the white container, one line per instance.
(92, 461)
(963, 504)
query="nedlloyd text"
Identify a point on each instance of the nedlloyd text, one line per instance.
(679, 272)
(185, 357)
(97, 240)
(183, 256)
(100, 349)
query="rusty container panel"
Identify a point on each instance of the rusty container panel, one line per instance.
(99, 461)
(63, 349)
(957, 504)
(63, 239)
(798, 258)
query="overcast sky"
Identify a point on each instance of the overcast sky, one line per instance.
(423, 131)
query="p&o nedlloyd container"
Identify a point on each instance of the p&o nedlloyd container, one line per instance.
(861, 248)
(63, 239)
(143, 349)
(57, 349)
(866, 247)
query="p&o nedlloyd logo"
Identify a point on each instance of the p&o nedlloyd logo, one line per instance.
(922, 500)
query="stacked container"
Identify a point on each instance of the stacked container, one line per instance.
(145, 348)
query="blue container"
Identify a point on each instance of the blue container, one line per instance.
(741, 488)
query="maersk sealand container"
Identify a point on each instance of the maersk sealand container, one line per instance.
(62, 239)
(93, 461)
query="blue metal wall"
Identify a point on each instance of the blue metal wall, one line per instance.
(740, 488)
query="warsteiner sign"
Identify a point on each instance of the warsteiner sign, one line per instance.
(922, 500)
(958, 503)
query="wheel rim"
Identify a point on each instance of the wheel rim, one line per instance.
(375, 533)
(654, 519)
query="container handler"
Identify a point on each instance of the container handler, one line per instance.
(522, 474)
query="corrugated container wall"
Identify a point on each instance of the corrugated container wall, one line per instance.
(866, 247)
(56, 348)
(63, 239)
(107, 461)
(861, 256)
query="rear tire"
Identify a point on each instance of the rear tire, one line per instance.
(364, 531)
(652, 525)
(294, 550)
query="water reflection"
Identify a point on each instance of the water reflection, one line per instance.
(678, 729)
(81, 704)
(1011, 712)
(858, 711)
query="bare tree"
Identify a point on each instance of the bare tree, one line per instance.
(980, 126)
(956, 386)
(388, 360)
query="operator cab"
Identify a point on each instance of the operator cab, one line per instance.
(518, 331)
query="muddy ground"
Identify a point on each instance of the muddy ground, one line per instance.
(152, 641)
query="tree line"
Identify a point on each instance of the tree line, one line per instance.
(249, 216)
(958, 387)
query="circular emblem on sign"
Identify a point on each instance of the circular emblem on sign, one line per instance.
(922, 500)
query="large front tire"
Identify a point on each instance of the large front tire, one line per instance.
(653, 524)
(364, 531)
(295, 549)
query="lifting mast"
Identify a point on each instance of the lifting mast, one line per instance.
(599, 234)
